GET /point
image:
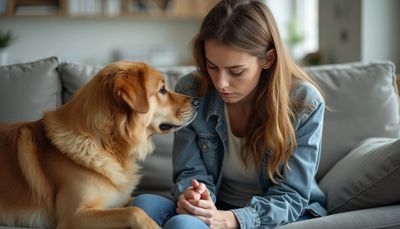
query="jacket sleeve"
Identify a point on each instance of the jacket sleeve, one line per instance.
(186, 155)
(284, 202)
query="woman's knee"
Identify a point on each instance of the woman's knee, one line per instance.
(185, 221)
(159, 208)
(143, 200)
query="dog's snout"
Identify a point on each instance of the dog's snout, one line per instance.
(195, 102)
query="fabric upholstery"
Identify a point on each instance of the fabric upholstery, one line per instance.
(382, 217)
(367, 177)
(74, 75)
(29, 89)
(157, 167)
(363, 103)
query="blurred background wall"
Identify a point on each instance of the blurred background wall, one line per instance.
(359, 30)
(159, 31)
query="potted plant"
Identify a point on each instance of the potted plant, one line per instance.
(294, 37)
(6, 39)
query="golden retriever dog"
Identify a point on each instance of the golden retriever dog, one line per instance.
(77, 166)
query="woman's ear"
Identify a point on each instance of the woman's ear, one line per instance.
(270, 58)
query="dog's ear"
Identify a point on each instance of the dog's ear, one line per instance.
(130, 86)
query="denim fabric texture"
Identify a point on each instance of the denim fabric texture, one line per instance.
(199, 149)
(162, 211)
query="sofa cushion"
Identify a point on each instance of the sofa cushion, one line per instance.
(29, 89)
(157, 168)
(367, 177)
(74, 75)
(373, 218)
(363, 102)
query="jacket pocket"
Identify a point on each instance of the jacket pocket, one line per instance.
(209, 147)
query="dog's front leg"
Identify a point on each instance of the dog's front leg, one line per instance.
(129, 217)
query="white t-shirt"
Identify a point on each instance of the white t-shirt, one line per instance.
(239, 184)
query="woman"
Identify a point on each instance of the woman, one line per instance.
(250, 157)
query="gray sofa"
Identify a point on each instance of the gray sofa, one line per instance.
(360, 164)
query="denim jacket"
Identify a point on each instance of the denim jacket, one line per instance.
(199, 149)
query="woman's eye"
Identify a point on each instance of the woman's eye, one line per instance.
(162, 90)
(211, 67)
(236, 73)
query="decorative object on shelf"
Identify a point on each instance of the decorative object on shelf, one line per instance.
(148, 9)
(34, 7)
(6, 39)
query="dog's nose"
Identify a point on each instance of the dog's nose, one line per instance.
(195, 102)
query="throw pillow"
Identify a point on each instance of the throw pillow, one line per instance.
(74, 76)
(367, 177)
(28, 90)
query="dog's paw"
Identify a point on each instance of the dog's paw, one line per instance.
(142, 220)
(150, 224)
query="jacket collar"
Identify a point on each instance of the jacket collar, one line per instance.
(215, 105)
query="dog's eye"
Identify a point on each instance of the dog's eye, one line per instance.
(163, 91)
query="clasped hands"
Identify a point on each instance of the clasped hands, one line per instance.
(196, 200)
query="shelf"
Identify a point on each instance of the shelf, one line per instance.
(110, 9)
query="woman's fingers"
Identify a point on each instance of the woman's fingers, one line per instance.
(181, 211)
(206, 204)
(190, 193)
(204, 195)
(201, 189)
(195, 210)
(195, 183)
(198, 187)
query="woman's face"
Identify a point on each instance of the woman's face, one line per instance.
(234, 73)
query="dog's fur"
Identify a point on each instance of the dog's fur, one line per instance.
(77, 166)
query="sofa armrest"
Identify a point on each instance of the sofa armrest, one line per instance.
(382, 217)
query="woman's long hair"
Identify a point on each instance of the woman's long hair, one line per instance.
(250, 26)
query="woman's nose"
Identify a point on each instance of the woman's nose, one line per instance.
(222, 81)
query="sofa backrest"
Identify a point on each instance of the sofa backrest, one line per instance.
(362, 101)
(362, 98)
(29, 89)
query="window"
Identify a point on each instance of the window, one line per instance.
(298, 24)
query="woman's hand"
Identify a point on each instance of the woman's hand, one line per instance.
(201, 205)
(190, 193)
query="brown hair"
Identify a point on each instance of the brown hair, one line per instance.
(250, 26)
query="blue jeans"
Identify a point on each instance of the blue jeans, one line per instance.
(162, 210)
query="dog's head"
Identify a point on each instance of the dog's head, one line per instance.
(124, 105)
(142, 94)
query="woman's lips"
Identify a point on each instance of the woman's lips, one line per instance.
(225, 94)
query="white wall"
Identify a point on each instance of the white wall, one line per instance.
(359, 30)
(339, 30)
(94, 41)
(381, 30)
